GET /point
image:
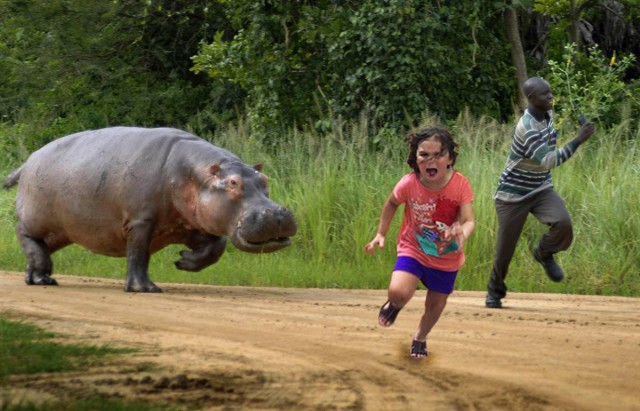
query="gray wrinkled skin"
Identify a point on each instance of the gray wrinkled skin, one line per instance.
(129, 192)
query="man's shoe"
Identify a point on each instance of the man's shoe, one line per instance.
(492, 302)
(551, 268)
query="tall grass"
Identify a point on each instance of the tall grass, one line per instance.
(336, 184)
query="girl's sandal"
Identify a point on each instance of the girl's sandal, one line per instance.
(388, 314)
(419, 349)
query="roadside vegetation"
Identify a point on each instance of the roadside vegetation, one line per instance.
(336, 183)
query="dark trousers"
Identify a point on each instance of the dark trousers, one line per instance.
(549, 208)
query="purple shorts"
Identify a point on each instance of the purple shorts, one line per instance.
(435, 280)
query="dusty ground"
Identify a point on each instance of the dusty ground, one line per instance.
(237, 348)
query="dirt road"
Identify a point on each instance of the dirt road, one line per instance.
(246, 348)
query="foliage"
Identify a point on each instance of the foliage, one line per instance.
(70, 65)
(593, 84)
(300, 61)
(404, 57)
(275, 56)
(609, 24)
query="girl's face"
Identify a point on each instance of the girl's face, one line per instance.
(433, 161)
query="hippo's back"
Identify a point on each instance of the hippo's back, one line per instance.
(126, 145)
(87, 186)
(90, 163)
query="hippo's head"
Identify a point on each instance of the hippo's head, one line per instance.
(234, 202)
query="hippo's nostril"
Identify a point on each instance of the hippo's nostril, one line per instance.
(272, 223)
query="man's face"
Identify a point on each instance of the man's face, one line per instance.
(540, 97)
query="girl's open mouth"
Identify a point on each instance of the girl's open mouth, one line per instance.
(432, 171)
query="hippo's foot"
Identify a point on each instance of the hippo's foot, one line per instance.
(206, 253)
(39, 277)
(188, 262)
(194, 261)
(136, 287)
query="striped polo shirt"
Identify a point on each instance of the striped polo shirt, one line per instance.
(532, 156)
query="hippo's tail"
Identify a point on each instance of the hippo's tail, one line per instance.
(13, 178)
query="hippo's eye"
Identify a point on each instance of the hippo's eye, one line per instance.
(233, 183)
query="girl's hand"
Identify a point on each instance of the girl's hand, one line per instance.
(457, 233)
(378, 241)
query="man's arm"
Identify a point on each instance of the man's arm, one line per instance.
(553, 158)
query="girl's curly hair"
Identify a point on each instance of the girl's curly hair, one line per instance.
(440, 134)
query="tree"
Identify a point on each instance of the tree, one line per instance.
(394, 59)
(517, 52)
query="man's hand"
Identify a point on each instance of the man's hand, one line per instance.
(585, 132)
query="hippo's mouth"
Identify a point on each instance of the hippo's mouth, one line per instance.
(267, 246)
(264, 230)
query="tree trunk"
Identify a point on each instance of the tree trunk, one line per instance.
(517, 54)
(574, 15)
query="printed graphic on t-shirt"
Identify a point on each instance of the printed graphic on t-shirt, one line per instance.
(431, 220)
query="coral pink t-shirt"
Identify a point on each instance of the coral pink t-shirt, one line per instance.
(427, 214)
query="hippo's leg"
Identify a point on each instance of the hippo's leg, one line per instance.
(39, 264)
(206, 250)
(138, 255)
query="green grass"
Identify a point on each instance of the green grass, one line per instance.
(27, 349)
(91, 404)
(336, 184)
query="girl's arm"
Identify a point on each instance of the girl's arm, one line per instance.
(388, 211)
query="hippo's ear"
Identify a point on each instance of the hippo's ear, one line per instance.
(213, 180)
(214, 169)
(257, 167)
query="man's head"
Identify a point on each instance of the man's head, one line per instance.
(538, 93)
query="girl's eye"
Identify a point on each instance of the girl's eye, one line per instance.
(427, 157)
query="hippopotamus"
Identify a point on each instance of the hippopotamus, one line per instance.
(130, 191)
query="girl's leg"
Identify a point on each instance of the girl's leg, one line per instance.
(401, 288)
(433, 306)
